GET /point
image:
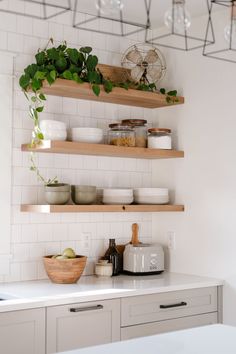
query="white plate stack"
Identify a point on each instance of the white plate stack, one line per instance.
(87, 135)
(53, 130)
(151, 195)
(117, 196)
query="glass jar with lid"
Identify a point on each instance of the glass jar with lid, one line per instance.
(121, 135)
(140, 128)
(159, 138)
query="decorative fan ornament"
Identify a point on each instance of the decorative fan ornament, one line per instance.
(146, 63)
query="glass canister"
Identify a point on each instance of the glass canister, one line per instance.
(140, 128)
(121, 135)
(159, 138)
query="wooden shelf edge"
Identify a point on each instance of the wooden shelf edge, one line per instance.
(67, 147)
(47, 209)
(131, 97)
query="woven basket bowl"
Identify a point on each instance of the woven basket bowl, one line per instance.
(64, 271)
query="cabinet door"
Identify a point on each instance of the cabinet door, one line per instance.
(150, 329)
(22, 332)
(82, 325)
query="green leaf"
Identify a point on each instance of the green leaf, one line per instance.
(81, 58)
(24, 81)
(53, 54)
(42, 97)
(92, 76)
(172, 93)
(91, 62)
(53, 75)
(77, 79)
(152, 86)
(36, 85)
(49, 79)
(40, 109)
(40, 75)
(96, 89)
(61, 64)
(73, 55)
(40, 58)
(108, 86)
(34, 99)
(162, 91)
(40, 136)
(31, 70)
(67, 75)
(86, 50)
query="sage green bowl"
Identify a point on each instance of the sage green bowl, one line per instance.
(84, 194)
(57, 194)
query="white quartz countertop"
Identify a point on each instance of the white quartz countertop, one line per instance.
(214, 339)
(43, 293)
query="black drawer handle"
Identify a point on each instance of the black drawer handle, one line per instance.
(88, 308)
(173, 305)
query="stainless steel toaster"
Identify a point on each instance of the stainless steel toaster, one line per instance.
(143, 259)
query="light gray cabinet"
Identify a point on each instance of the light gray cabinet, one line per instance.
(82, 325)
(164, 312)
(149, 329)
(22, 332)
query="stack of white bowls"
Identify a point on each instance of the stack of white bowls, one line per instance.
(53, 130)
(87, 135)
(151, 195)
(117, 196)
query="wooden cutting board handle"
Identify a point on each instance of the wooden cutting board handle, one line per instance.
(134, 240)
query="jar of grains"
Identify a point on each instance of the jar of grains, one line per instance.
(121, 135)
(140, 128)
(159, 138)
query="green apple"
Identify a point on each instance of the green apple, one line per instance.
(61, 257)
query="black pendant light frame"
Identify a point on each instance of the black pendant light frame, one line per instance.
(204, 42)
(123, 33)
(213, 54)
(62, 9)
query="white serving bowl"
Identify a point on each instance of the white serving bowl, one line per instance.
(54, 134)
(117, 196)
(51, 125)
(87, 135)
(151, 196)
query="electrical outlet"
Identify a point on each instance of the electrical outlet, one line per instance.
(171, 240)
(86, 237)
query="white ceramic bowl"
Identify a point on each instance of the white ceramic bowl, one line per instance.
(117, 196)
(51, 125)
(54, 134)
(151, 196)
(87, 135)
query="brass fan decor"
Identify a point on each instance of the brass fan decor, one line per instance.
(145, 63)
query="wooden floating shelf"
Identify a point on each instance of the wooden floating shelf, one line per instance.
(47, 209)
(131, 97)
(67, 147)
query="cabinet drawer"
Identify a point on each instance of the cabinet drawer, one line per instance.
(81, 325)
(153, 328)
(164, 306)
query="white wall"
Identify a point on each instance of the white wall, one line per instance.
(205, 180)
(35, 235)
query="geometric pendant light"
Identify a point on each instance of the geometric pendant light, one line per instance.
(224, 23)
(39, 9)
(113, 17)
(177, 27)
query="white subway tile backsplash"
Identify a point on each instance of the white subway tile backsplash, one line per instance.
(34, 235)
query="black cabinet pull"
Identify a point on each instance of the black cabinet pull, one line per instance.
(88, 308)
(173, 305)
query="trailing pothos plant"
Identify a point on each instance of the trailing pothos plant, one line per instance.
(79, 65)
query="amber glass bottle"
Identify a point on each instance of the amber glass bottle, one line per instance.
(114, 257)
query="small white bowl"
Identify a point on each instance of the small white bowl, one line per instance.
(51, 125)
(151, 196)
(59, 135)
(151, 191)
(118, 200)
(117, 192)
(87, 135)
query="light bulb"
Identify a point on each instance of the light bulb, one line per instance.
(109, 7)
(178, 19)
(230, 33)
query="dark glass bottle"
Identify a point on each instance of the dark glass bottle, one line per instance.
(114, 257)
